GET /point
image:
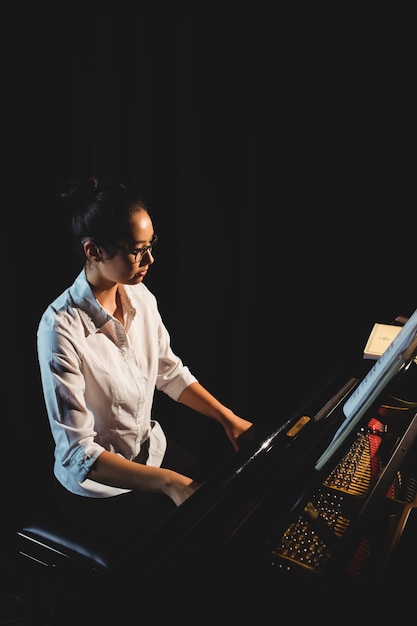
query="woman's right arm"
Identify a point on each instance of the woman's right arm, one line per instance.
(115, 470)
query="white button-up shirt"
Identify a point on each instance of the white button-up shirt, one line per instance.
(99, 378)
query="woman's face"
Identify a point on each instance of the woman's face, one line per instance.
(131, 260)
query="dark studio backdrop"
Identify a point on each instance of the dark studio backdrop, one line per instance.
(276, 149)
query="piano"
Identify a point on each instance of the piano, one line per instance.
(310, 510)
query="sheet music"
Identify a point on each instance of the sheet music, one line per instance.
(399, 344)
(402, 348)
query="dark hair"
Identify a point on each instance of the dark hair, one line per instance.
(100, 211)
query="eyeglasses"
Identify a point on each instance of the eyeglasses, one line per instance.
(138, 253)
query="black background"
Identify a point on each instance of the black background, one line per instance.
(276, 149)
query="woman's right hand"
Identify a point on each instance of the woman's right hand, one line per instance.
(180, 487)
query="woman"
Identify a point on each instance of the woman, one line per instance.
(103, 350)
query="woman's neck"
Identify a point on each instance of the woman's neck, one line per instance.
(106, 293)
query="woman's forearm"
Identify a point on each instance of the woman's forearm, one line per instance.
(112, 469)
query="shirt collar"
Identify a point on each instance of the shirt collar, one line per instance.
(84, 299)
(91, 311)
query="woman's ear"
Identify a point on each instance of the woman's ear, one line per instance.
(91, 250)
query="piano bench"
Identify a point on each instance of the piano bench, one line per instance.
(57, 560)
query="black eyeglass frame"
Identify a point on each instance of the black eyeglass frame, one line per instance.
(135, 252)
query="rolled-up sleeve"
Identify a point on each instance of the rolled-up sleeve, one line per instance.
(71, 422)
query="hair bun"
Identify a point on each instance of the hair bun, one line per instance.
(77, 190)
